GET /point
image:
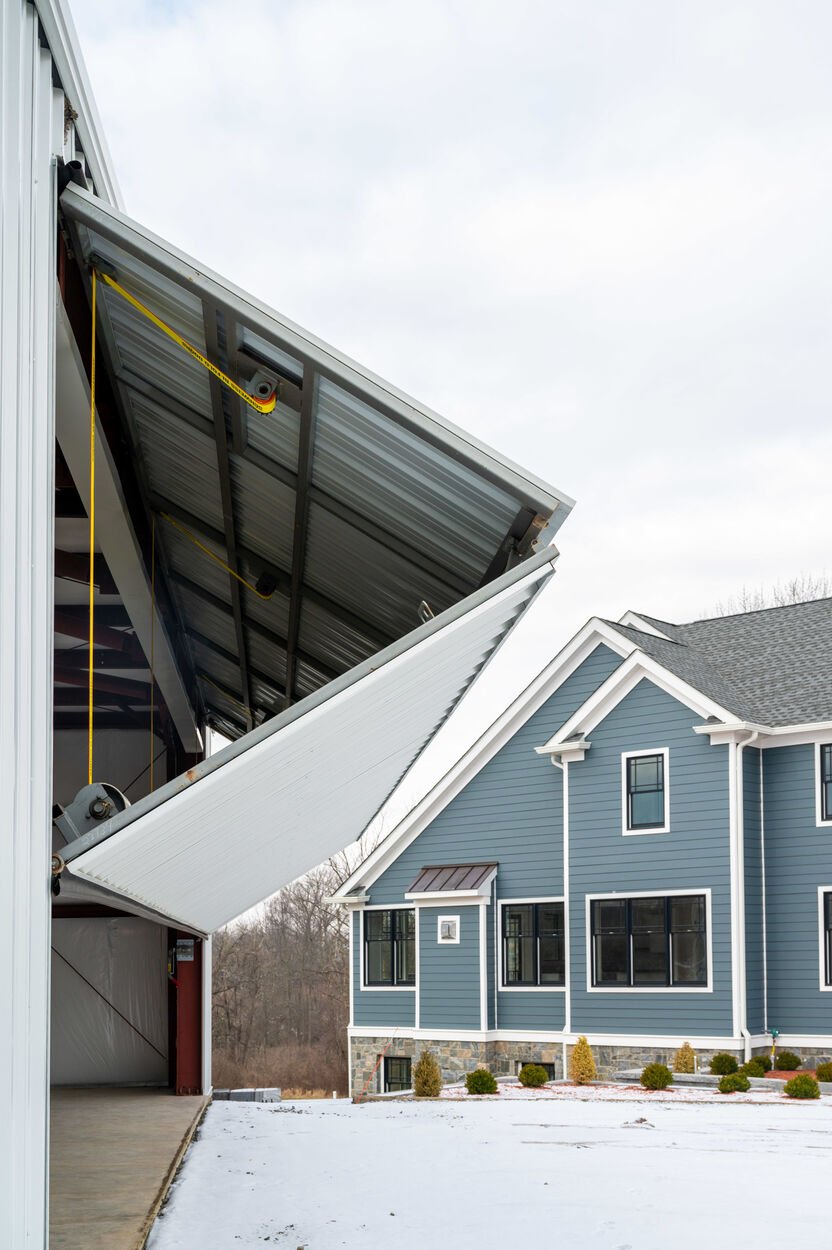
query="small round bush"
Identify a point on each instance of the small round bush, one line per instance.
(480, 1081)
(802, 1086)
(427, 1078)
(533, 1075)
(656, 1076)
(723, 1065)
(734, 1083)
(824, 1071)
(758, 1066)
(788, 1061)
(685, 1059)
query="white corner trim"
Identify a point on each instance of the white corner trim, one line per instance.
(824, 988)
(618, 685)
(819, 821)
(445, 920)
(482, 923)
(707, 988)
(632, 620)
(592, 635)
(625, 814)
(529, 989)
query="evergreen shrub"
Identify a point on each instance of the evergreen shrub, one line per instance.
(758, 1066)
(824, 1071)
(656, 1076)
(803, 1086)
(480, 1081)
(533, 1075)
(723, 1065)
(685, 1059)
(427, 1078)
(582, 1063)
(734, 1083)
(788, 1061)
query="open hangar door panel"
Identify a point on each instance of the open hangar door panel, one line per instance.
(236, 828)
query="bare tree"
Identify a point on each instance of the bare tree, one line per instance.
(800, 589)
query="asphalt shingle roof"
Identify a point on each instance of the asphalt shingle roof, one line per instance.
(773, 666)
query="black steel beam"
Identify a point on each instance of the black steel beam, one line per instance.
(116, 661)
(216, 351)
(306, 451)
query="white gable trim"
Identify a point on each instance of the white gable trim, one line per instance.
(618, 685)
(595, 633)
(632, 620)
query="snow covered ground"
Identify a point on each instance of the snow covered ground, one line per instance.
(656, 1173)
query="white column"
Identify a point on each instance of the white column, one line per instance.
(207, 1008)
(31, 124)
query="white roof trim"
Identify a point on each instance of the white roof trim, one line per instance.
(618, 685)
(593, 634)
(632, 620)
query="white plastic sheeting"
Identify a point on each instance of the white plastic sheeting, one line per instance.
(215, 842)
(107, 971)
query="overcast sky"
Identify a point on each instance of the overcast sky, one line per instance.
(596, 234)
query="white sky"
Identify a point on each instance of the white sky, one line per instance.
(595, 235)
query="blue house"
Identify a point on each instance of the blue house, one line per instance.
(639, 849)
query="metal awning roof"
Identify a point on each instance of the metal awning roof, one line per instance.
(450, 878)
(357, 503)
(234, 829)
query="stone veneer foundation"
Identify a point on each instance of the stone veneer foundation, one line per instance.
(502, 1057)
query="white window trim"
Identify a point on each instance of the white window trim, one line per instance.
(454, 941)
(708, 988)
(629, 755)
(819, 821)
(527, 989)
(824, 988)
(386, 989)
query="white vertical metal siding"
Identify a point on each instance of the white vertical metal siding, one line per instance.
(31, 123)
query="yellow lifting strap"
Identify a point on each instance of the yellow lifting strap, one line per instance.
(260, 405)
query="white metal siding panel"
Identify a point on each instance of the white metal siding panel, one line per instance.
(299, 793)
(31, 118)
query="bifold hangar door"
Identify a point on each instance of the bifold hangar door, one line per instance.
(233, 830)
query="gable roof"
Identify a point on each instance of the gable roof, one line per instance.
(772, 666)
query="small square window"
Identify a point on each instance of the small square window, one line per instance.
(397, 1078)
(447, 930)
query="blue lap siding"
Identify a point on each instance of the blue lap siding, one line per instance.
(449, 976)
(385, 1008)
(694, 854)
(798, 861)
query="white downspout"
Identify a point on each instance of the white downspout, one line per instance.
(562, 764)
(740, 910)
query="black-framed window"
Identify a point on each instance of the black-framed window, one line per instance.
(827, 938)
(396, 1074)
(645, 791)
(390, 947)
(533, 944)
(649, 941)
(826, 781)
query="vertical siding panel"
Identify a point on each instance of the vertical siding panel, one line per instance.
(695, 853)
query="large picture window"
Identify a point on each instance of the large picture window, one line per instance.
(533, 944)
(825, 780)
(650, 941)
(390, 947)
(645, 798)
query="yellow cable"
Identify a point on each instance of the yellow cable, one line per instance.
(213, 556)
(152, 640)
(225, 694)
(260, 405)
(92, 536)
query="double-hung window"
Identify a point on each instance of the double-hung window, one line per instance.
(533, 944)
(650, 942)
(825, 782)
(645, 792)
(826, 921)
(390, 947)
